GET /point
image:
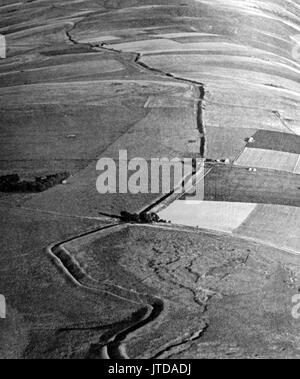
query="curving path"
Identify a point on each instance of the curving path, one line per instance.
(114, 347)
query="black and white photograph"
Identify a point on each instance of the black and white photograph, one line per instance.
(149, 182)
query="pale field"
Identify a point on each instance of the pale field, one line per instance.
(220, 216)
(270, 159)
(188, 268)
(276, 225)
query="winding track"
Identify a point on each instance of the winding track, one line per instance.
(114, 347)
(151, 308)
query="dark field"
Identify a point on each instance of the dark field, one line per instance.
(229, 183)
(276, 141)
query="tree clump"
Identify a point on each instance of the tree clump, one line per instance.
(141, 218)
(13, 183)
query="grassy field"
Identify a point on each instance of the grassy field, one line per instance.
(226, 143)
(41, 325)
(275, 224)
(189, 269)
(231, 183)
(284, 142)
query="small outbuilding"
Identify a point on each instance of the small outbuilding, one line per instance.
(2, 47)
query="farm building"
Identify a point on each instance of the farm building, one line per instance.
(2, 47)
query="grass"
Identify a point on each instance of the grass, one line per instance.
(230, 183)
(264, 139)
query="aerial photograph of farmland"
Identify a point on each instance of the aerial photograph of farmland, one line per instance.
(149, 179)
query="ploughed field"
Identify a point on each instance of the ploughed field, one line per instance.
(215, 80)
